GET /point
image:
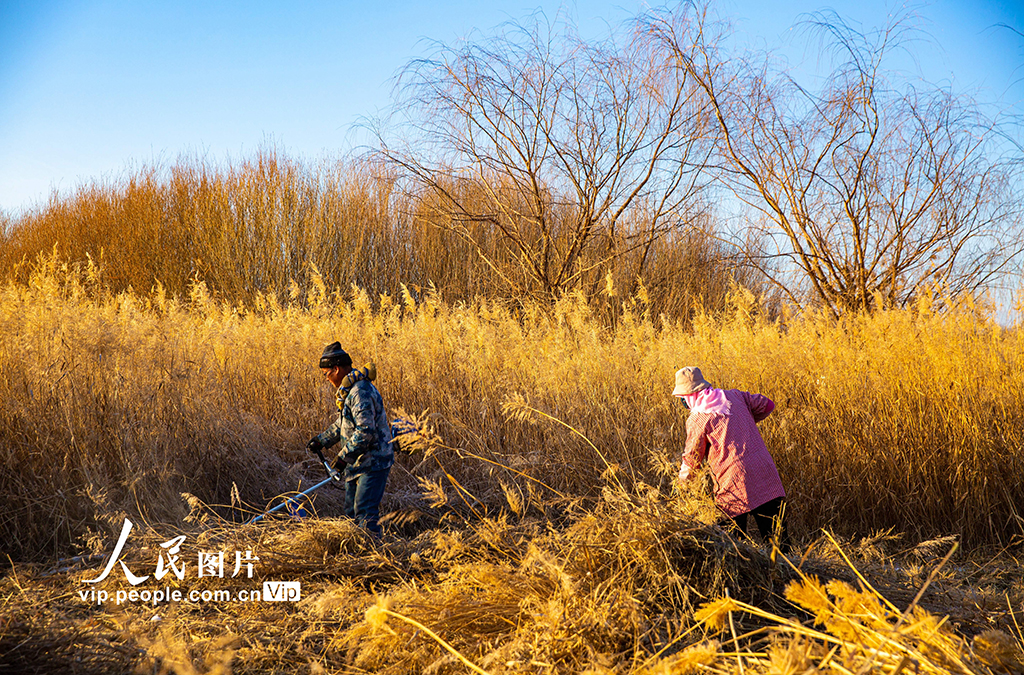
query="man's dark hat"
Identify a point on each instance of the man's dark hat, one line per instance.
(334, 356)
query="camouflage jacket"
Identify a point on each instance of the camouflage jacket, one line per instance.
(362, 426)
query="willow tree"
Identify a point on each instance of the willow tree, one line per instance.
(552, 155)
(871, 187)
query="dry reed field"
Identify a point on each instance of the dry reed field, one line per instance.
(535, 526)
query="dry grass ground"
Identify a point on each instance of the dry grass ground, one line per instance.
(543, 532)
(638, 584)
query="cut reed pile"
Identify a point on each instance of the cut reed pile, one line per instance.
(611, 589)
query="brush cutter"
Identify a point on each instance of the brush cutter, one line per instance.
(400, 428)
(295, 503)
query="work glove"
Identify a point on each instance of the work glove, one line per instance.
(315, 445)
(340, 464)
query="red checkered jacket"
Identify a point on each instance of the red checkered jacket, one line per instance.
(745, 475)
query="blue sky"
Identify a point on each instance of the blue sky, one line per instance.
(91, 87)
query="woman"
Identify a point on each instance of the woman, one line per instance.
(722, 428)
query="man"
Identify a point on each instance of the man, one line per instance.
(722, 429)
(362, 427)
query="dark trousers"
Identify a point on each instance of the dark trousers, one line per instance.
(362, 498)
(768, 516)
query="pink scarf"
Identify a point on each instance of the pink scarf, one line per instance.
(709, 401)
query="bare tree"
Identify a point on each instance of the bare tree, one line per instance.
(553, 155)
(871, 189)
